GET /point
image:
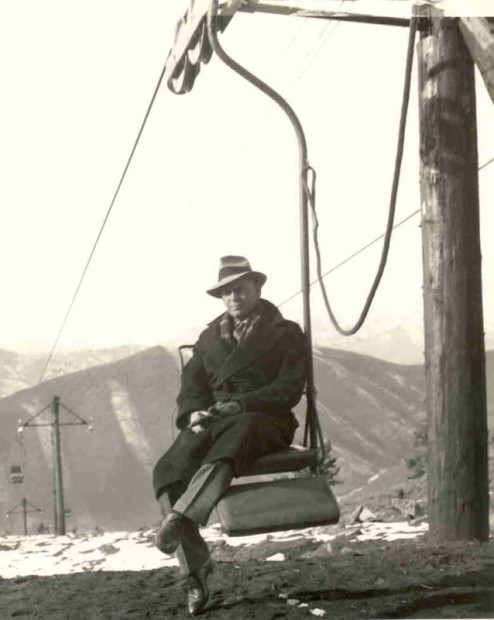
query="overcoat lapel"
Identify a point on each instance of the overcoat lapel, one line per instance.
(264, 335)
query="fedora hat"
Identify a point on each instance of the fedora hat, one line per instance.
(233, 268)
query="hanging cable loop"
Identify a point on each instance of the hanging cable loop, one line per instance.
(308, 188)
(311, 196)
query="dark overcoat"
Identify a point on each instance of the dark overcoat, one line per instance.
(265, 373)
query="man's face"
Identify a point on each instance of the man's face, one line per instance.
(241, 297)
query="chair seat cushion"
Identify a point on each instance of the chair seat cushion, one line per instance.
(277, 505)
(291, 459)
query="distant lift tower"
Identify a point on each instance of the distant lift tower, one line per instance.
(24, 507)
(59, 512)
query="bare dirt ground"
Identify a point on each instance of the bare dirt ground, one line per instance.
(369, 579)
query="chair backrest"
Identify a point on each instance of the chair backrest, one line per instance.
(185, 352)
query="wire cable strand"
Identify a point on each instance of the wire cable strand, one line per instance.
(109, 210)
(305, 64)
(349, 258)
(239, 157)
(485, 164)
(116, 193)
(392, 206)
(366, 246)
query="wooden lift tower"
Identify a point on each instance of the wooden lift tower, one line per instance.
(448, 50)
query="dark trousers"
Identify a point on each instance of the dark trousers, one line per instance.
(209, 460)
(196, 501)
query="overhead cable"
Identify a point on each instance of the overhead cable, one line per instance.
(349, 258)
(306, 61)
(312, 54)
(115, 195)
(366, 246)
(240, 156)
(484, 165)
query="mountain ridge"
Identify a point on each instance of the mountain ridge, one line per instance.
(369, 410)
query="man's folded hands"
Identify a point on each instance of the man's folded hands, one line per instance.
(199, 420)
(230, 407)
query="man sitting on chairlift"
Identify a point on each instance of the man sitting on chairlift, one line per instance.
(247, 372)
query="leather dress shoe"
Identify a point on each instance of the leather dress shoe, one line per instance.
(169, 534)
(197, 589)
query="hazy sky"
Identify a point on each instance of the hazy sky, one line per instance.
(215, 172)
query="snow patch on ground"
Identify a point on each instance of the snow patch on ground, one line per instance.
(135, 551)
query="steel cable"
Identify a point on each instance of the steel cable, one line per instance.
(305, 63)
(366, 246)
(115, 195)
(392, 206)
(349, 258)
(485, 164)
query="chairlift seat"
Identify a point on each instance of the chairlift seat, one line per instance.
(16, 475)
(282, 503)
(278, 504)
(289, 459)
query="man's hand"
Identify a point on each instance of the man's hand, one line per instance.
(198, 419)
(195, 419)
(231, 407)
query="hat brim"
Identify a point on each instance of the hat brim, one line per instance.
(218, 289)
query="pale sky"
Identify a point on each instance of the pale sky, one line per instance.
(215, 172)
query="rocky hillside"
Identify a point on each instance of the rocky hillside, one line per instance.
(369, 410)
(106, 471)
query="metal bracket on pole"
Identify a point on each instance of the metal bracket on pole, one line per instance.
(191, 46)
(302, 8)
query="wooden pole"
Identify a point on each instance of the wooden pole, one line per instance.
(24, 515)
(57, 463)
(54, 484)
(454, 338)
